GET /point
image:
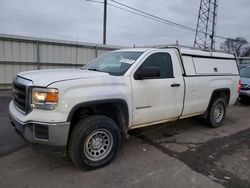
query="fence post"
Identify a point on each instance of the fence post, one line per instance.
(38, 55)
(96, 51)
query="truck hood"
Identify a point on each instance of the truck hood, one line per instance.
(46, 77)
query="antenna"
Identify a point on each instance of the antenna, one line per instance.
(206, 25)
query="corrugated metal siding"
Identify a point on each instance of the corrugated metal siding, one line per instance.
(244, 60)
(19, 54)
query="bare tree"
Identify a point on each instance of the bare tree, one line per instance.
(232, 46)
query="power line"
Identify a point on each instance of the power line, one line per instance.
(154, 16)
(133, 12)
(150, 16)
(165, 20)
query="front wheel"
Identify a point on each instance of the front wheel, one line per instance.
(216, 113)
(94, 142)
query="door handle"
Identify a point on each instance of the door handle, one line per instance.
(175, 85)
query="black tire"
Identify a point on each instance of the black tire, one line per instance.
(216, 112)
(83, 148)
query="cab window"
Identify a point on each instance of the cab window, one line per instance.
(162, 61)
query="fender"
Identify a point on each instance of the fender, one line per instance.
(122, 109)
(218, 91)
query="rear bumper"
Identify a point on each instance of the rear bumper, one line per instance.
(47, 137)
(245, 93)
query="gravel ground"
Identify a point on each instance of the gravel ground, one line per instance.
(185, 153)
(221, 154)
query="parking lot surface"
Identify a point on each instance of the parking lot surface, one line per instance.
(185, 153)
(9, 140)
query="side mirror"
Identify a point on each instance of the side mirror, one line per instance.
(147, 72)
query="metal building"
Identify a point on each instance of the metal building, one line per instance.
(244, 60)
(18, 53)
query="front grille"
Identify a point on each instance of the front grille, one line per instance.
(21, 87)
(19, 96)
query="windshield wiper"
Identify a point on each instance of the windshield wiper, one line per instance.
(91, 69)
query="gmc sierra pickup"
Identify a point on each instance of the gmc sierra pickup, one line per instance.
(85, 113)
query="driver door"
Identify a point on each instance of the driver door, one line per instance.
(159, 98)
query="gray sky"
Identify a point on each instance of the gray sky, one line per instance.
(79, 20)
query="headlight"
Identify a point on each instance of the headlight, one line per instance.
(44, 98)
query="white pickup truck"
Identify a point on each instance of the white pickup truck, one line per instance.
(86, 112)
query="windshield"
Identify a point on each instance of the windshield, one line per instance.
(245, 72)
(114, 63)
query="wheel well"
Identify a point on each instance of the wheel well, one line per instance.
(117, 111)
(224, 93)
(221, 93)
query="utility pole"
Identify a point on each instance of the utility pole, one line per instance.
(206, 25)
(104, 22)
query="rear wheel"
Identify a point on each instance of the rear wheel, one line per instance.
(216, 112)
(94, 142)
